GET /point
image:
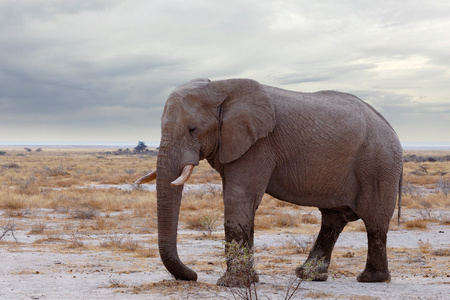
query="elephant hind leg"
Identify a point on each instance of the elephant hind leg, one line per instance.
(376, 269)
(316, 266)
(376, 208)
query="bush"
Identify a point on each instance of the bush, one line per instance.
(140, 147)
(415, 158)
(444, 186)
(11, 166)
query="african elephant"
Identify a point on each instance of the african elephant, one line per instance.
(326, 149)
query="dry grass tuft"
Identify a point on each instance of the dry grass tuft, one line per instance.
(285, 220)
(147, 252)
(319, 295)
(168, 287)
(416, 224)
(211, 199)
(310, 219)
(263, 222)
(441, 252)
(101, 224)
(12, 202)
(445, 221)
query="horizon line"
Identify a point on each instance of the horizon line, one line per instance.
(155, 144)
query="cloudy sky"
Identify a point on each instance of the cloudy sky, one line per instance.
(100, 71)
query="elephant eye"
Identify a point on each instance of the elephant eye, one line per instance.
(192, 130)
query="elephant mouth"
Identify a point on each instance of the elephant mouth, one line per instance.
(185, 174)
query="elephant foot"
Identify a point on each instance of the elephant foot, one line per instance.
(312, 271)
(371, 275)
(233, 279)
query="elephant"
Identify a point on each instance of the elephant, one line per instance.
(325, 149)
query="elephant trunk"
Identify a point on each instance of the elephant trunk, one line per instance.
(168, 208)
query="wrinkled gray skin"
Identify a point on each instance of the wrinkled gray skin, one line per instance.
(326, 149)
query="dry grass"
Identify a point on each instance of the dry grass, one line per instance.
(66, 169)
(416, 224)
(426, 174)
(123, 223)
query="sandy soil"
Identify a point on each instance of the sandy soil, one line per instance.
(41, 266)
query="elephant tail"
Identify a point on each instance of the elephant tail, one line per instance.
(400, 192)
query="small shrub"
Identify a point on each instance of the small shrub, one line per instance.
(130, 245)
(85, 213)
(57, 171)
(76, 241)
(27, 186)
(443, 185)
(116, 283)
(11, 166)
(130, 171)
(209, 223)
(37, 228)
(241, 272)
(424, 247)
(100, 224)
(349, 254)
(300, 245)
(421, 171)
(114, 240)
(8, 228)
(426, 209)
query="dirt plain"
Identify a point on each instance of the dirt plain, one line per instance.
(73, 227)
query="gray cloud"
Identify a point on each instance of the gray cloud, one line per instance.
(101, 70)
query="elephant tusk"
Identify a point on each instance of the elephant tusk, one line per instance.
(187, 171)
(147, 178)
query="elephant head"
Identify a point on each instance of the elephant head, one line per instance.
(218, 121)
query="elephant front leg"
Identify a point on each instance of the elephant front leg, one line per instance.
(316, 266)
(239, 229)
(239, 256)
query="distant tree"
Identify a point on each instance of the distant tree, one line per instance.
(38, 150)
(140, 147)
(2, 152)
(28, 149)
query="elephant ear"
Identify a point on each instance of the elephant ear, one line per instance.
(247, 114)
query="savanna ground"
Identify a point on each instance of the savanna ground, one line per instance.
(64, 235)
